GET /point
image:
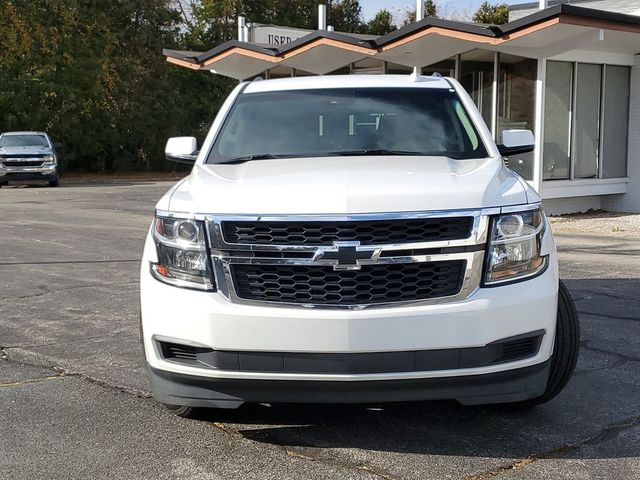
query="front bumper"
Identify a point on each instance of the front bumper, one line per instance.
(45, 172)
(205, 319)
(499, 387)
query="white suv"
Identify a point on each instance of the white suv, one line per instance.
(353, 239)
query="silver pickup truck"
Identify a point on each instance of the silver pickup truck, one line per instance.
(27, 156)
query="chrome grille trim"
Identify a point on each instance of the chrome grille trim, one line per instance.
(219, 244)
(224, 254)
(365, 232)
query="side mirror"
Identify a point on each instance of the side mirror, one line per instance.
(57, 145)
(182, 150)
(515, 142)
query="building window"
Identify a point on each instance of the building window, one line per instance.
(586, 126)
(615, 121)
(586, 112)
(446, 68)
(557, 120)
(368, 66)
(397, 69)
(476, 76)
(516, 104)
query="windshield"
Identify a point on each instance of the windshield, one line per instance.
(23, 141)
(347, 121)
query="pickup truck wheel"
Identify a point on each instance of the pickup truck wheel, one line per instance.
(54, 182)
(565, 349)
(181, 410)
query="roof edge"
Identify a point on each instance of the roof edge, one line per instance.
(568, 9)
(465, 27)
(571, 13)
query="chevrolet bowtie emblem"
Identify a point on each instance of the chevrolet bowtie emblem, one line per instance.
(345, 255)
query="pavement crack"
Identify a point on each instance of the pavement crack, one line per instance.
(69, 262)
(617, 363)
(33, 380)
(612, 317)
(589, 294)
(502, 469)
(65, 373)
(611, 431)
(225, 428)
(51, 344)
(65, 289)
(374, 472)
(306, 456)
(585, 344)
(607, 433)
(360, 467)
(294, 454)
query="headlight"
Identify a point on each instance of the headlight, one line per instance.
(514, 247)
(182, 253)
(49, 158)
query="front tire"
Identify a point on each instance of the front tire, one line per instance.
(181, 410)
(54, 182)
(565, 349)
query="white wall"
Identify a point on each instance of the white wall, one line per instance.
(630, 202)
(559, 206)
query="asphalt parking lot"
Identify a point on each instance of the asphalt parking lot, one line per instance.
(74, 401)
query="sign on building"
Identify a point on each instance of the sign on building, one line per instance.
(275, 35)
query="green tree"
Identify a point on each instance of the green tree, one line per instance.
(430, 10)
(212, 22)
(381, 24)
(345, 16)
(92, 75)
(492, 14)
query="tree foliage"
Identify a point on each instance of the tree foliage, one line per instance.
(214, 21)
(345, 15)
(93, 76)
(430, 10)
(492, 14)
(91, 73)
(381, 24)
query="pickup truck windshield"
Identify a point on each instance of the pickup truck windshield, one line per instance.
(23, 141)
(347, 121)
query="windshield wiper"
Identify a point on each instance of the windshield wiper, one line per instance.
(342, 153)
(379, 151)
(255, 156)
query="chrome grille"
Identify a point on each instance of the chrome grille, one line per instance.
(348, 261)
(371, 232)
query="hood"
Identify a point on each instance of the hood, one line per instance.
(343, 185)
(7, 151)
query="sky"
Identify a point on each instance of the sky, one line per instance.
(371, 7)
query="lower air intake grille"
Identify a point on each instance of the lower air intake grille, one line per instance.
(182, 353)
(321, 285)
(358, 363)
(518, 349)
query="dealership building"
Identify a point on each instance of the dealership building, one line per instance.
(569, 72)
